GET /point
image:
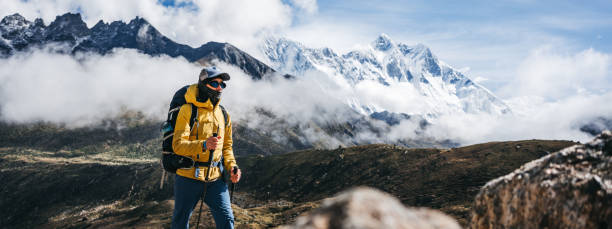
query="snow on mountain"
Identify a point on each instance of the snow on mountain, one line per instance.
(72, 34)
(440, 88)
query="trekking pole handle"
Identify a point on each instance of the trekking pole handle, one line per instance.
(212, 150)
(210, 158)
(233, 185)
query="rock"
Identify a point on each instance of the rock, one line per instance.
(571, 188)
(369, 208)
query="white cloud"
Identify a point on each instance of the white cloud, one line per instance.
(479, 79)
(560, 120)
(87, 89)
(551, 75)
(551, 96)
(309, 6)
(328, 32)
(78, 91)
(61, 89)
(401, 97)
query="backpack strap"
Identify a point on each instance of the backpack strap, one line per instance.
(220, 165)
(224, 114)
(194, 116)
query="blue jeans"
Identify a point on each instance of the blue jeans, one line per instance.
(188, 191)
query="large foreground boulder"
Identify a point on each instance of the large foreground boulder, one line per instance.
(368, 208)
(571, 188)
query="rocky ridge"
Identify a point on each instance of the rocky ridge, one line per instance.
(18, 35)
(571, 188)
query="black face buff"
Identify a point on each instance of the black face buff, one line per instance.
(205, 93)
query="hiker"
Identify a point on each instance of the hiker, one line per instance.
(208, 134)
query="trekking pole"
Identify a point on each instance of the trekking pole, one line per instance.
(234, 171)
(210, 158)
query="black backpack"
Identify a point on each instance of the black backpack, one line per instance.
(171, 161)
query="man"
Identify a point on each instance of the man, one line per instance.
(197, 142)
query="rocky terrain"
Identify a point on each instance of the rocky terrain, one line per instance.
(368, 208)
(571, 188)
(445, 179)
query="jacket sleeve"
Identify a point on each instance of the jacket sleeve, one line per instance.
(228, 151)
(180, 142)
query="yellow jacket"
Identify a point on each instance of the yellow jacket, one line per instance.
(189, 141)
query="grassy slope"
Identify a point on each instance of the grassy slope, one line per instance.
(111, 189)
(118, 185)
(441, 179)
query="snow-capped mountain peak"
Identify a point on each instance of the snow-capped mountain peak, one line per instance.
(442, 88)
(18, 34)
(67, 27)
(13, 23)
(383, 43)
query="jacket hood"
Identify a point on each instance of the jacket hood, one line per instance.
(192, 94)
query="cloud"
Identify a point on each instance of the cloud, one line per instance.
(339, 35)
(89, 88)
(559, 120)
(401, 97)
(553, 76)
(295, 101)
(309, 6)
(480, 79)
(552, 95)
(85, 90)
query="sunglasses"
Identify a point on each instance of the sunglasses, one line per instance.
(216, 84)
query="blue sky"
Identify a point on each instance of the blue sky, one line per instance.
(586, 24)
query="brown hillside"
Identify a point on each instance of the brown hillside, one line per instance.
(442, 179)
(118, 185)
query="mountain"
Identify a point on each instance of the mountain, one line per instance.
(596, 125)
(443, 89)
(358, 123)
(69, 34)
(19, 34)
(395, 118)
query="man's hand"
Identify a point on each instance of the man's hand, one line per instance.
(236, 175)
(211, 143)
